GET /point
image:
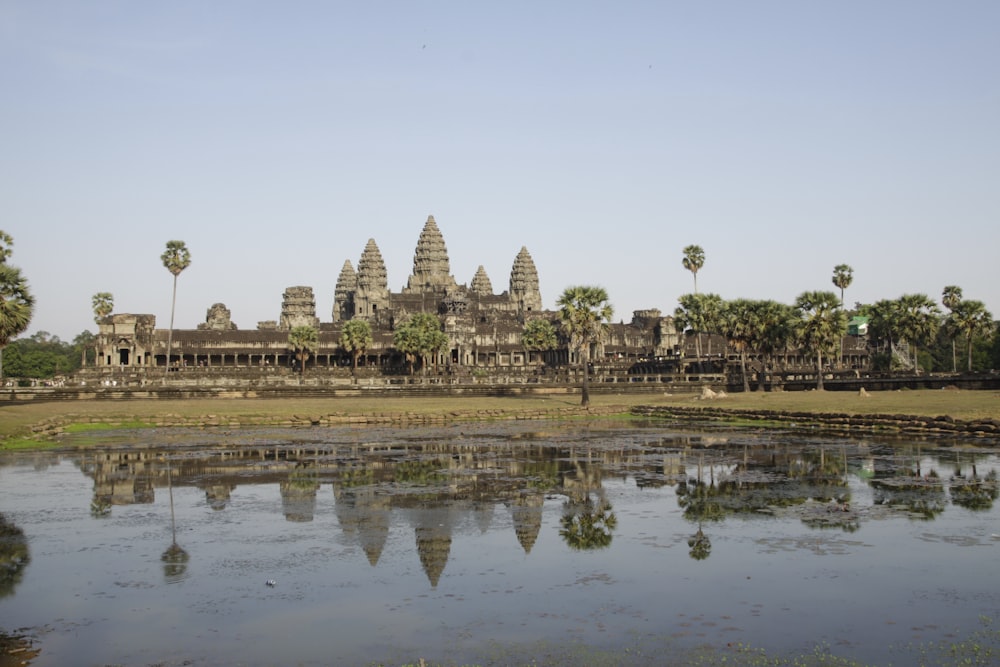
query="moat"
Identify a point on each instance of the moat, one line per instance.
(496, 543)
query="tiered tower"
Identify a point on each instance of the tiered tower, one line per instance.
(343, 294)
(372, 294)
(431, 269)
(524, 290)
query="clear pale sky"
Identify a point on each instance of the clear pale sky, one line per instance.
(276, 138)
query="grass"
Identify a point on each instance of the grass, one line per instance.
(16, 420)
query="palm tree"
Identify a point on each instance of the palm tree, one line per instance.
(584, 313)
(694, 259)
(419, 336)
(700, 313)
(843, 275)
(16, 305)
(356, 337)
(822, 327)
(103, 304)
(950, 296)
(175, 259)
(304, 341)
(6, 246)
(971, 319)
(741, 325)
(539, 336)
(779, 329)
(919, 319)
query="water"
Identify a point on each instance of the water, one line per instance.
(564, 543)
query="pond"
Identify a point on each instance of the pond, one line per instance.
(496, 543)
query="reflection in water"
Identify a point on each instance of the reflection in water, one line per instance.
(174, 558)
(713, 478)
(14, 556)
(436, 536)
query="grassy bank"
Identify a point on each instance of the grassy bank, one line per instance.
(16, 421)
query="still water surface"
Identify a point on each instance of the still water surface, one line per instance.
(493, 544)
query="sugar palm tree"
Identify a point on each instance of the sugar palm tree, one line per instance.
(584, 312)
(694, 259)
(701, 314)
(304, 341)
(950, 296)
(16, 305)
(779, 329)
(103, 304)
(175, 259)
(539, 336)
(419, 336)
(356, 337)
(823, 324)
(741, 325)
(6, 246)
(971, 319)
(843, 276)
(919, 320)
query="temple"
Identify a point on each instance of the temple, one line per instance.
(484, 328)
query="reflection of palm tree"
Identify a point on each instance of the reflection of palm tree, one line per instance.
(14, 556)
(588, 525)
(174, 558)
(701, 546)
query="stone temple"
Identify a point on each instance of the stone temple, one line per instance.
(484, 328)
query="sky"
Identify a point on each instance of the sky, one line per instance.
(276, 138)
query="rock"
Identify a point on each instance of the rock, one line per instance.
(862, 393)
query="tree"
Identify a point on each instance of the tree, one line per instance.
(694, 259)
(419, 336)
(822, 326)
(103, 304)
(972, 320)
(539, 336)
(918, 322)
(779, 329)
(584, 312)
(843, 275)
(175, 259)
(304, 341)
(743, 328)
(6, 246)
(84, 342)
(700, 313)
(16, 302)
(950, 296)
(356, 337)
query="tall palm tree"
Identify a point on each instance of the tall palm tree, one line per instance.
(843, 276)
(16, 306)
(694, 259)
(356, 337)
(950, 296)
(584, 312)
(919, 320)
(823, 324)
(304, 341)
(175, 259)
(779, 329)
(419, 336)
(971, 319)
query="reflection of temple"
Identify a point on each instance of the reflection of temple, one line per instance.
(435, 484)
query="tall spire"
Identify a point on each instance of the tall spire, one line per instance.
(431, 268)
(524, 283)
(373, 283)
(343, 294)
(481, 284)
